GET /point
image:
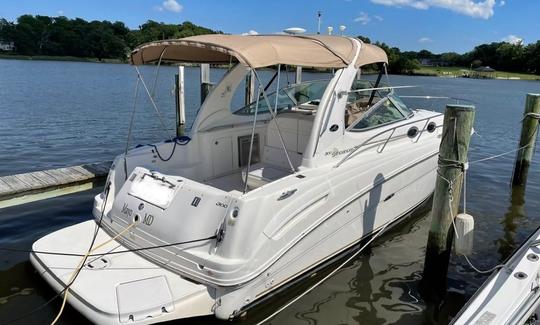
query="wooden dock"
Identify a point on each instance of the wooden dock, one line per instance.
(39, 185)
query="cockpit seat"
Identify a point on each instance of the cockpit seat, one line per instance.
(354, 111)
(261, 174)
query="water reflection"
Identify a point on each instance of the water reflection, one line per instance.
(513, 217)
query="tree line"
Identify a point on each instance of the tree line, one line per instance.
(61, 36)
(504, 56)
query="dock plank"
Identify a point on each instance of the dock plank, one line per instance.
(52, 179)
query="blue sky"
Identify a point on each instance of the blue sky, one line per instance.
(436, 25)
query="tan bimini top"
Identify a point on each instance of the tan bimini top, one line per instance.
(259, 51)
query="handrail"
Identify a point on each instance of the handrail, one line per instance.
(393, 129)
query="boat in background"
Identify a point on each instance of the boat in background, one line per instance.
(511, 295)
(256, 196)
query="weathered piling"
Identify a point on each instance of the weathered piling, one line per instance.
(529, 131)
(206, 85)
(180, 102)
(458, 122)
(298, 75)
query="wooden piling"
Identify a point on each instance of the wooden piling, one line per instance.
(458, 122)
(206, 85)
(529, 131)
(180, 102)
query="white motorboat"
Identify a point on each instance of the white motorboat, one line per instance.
(511, 295)
(256, 196)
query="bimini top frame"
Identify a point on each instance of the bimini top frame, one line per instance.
(258, 51)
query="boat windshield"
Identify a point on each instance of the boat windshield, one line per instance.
(306, 93)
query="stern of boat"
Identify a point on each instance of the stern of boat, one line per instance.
(117, 288)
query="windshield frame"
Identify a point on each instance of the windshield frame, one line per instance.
(284, 92)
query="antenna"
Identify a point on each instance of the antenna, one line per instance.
(319, 14)
(330, 29)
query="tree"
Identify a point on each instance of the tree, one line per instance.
(364, 39)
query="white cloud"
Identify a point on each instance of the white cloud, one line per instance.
(425, 40)
(473, 8)
(60, 12)
(170, 5)
(251, 32)
(363, 18)
(513, 39)
(502, 3)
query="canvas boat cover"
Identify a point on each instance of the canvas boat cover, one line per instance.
(258, 51)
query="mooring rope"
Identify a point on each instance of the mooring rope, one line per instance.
(77, 271)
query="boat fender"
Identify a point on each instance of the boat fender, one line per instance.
(463, 241)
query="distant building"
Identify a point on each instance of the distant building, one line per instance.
(483, 73)
(7, 46)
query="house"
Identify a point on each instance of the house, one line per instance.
(7, 46)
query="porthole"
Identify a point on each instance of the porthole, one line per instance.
(412, 132)
(431, 127)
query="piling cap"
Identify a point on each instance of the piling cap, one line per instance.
(461, 107)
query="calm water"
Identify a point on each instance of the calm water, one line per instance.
(55, 114)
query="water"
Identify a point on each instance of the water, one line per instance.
(56, 114)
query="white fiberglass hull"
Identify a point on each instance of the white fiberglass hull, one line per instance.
(96, 292)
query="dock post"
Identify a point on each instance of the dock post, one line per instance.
(298, 77)
(458, 122)
(180, 102)
(529, 132)
(250, 88)
(206, 85)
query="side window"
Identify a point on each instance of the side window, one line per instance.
(359, 102)
(383, 113)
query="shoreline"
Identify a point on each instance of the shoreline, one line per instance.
(441, 72)
(57, 58)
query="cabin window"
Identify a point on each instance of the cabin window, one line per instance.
(306, 95)
(383, 113)
(361, 99)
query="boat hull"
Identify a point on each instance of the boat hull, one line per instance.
(338, 234)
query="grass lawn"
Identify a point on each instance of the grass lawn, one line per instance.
(459, 71)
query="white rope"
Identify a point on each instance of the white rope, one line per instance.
(482, 271)
(78, 269)
(325, 278)
(499, 155)
(510, 151)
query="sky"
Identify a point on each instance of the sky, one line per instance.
(435, 25)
